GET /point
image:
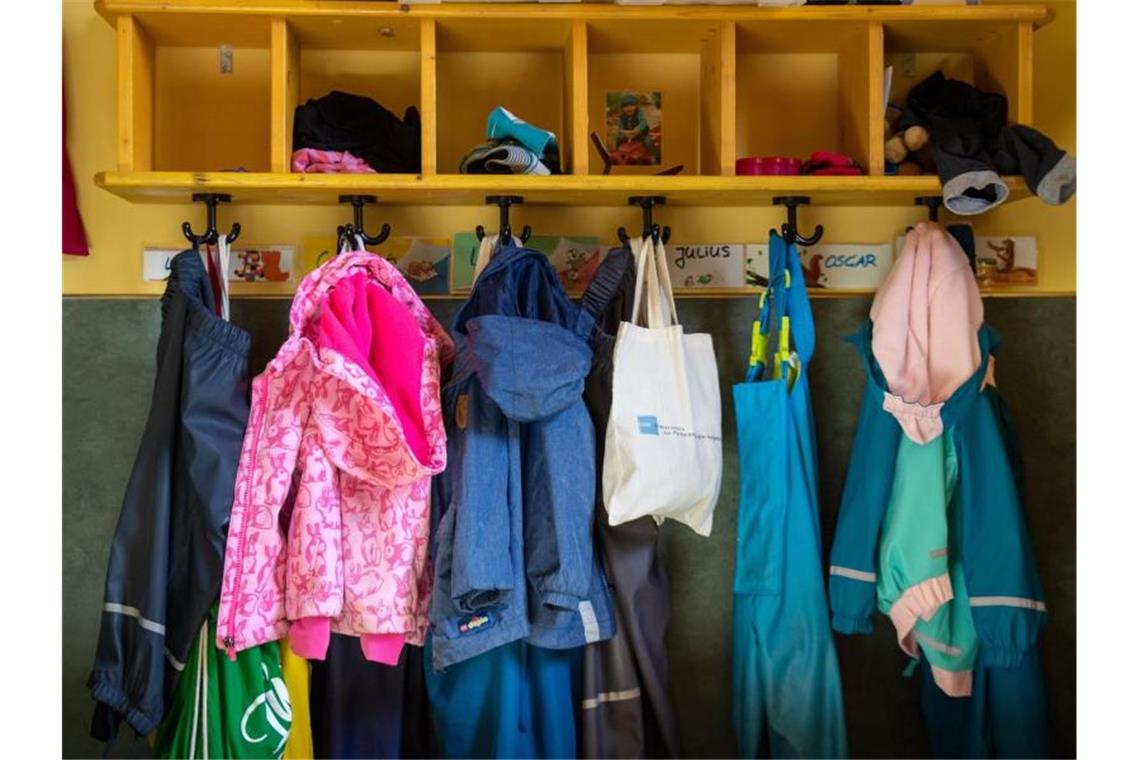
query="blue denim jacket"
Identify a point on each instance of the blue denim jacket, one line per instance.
(513, 550)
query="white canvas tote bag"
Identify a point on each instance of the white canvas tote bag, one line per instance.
(663, 439)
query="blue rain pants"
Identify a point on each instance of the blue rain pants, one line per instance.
(1005, 716)
(516, 700)
(787, 698)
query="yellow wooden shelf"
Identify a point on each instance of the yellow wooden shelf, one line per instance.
(171, 9)
(725, 72)
(562, 190)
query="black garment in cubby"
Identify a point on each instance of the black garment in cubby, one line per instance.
(341, 121)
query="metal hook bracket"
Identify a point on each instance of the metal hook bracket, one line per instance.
(210, 236)
(789, 230)
(932, 203)
(648, 227)
(504, 202)
(356, 228)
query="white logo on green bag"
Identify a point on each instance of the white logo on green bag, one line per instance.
(279, 710)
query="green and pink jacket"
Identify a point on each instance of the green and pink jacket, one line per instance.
(930, 526)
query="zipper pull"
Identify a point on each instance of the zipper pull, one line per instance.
(228, 643)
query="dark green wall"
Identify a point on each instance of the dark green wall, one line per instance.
(108, 365)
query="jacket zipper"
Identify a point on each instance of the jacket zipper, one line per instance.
(228, 640)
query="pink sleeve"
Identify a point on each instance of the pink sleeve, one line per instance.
(252, 602)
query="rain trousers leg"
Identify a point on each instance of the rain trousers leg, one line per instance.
(171, 533)
(361, 708)
(1005, 716)
(626, 708)
(788, 701)
(516, 700)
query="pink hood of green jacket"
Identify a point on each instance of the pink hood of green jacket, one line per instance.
(331, 517)
(925, 321)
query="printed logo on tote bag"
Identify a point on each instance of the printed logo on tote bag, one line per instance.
(647, 425)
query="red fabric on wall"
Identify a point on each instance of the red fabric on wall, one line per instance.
(74, 237)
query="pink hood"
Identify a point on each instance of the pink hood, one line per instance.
(925, 321)
(330, 522)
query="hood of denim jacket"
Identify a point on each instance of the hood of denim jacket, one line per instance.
(523, 337)
(520, 282)
(531, 369)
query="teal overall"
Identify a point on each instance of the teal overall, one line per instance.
(787, 698)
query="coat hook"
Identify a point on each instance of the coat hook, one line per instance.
(210, 236)
(789, 231)
(932, 203)
(648, 227)
(504, 202)
(356, 229)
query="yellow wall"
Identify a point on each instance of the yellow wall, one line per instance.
(119, 230)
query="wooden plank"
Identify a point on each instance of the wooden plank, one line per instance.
(285, 76)
(718, 102)
(428, 110)
(861, 96)
(1024, 110)
(876, 132)
(472, 33)
(563, 190)
(576, 102)
(136, 96)
(1039, 15)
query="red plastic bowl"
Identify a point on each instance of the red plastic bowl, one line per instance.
(768, 165)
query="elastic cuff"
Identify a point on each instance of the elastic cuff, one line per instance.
(384, 648)
(556, 600)
(954, 192)
(309, 637)
(954, 683)
(921, 600)
(1059, 183)
(473, 601)
(851, 625)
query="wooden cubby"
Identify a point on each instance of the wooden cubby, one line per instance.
(996, 57)
(323, 53)
(524, 65)
(178, 111)
(735, 81)
(688, 62)
(804, 86)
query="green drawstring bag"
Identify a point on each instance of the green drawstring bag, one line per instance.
(226, 708)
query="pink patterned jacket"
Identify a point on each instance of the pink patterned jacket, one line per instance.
(331, 515)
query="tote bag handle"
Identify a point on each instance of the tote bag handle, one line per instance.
(663, 286)
(660, 310)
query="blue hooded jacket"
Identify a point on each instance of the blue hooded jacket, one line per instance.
(514, 554)
(989, 535)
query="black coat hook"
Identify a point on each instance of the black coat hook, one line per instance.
(356, 229)
(210, 236)
(504, 202)
(648, 227)
(789, 231)
(932, 203)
